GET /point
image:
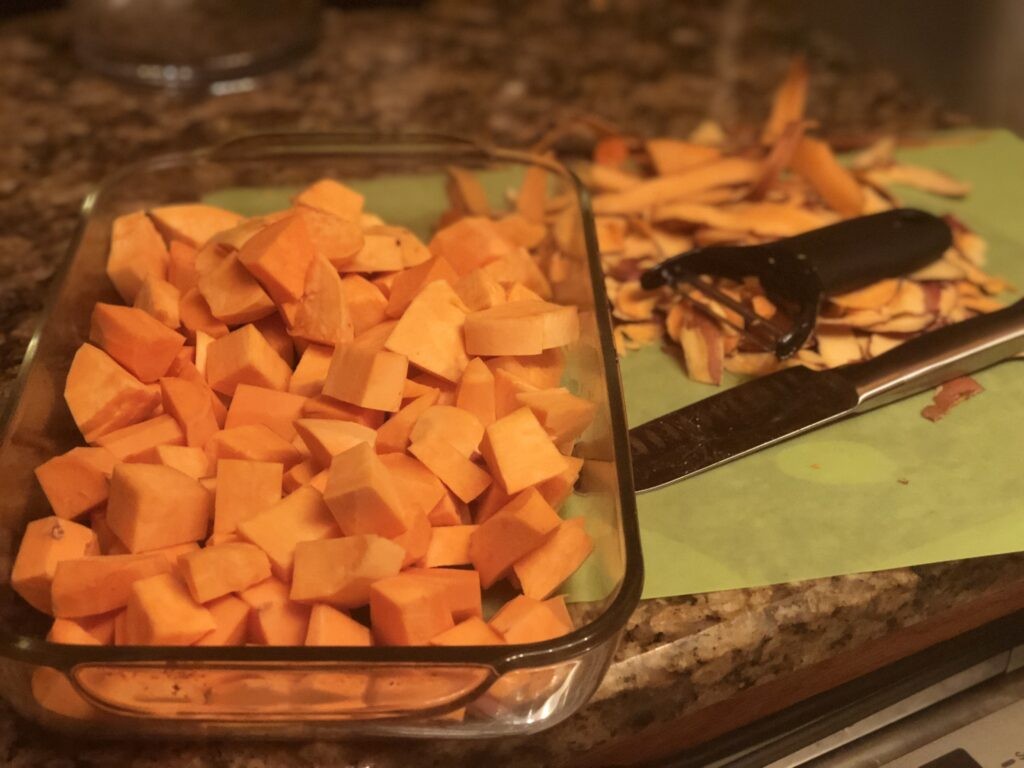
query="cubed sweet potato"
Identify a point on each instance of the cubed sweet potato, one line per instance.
(461, 588)
(338, 240)
(260, 405)
(300, 516)
(310, 373)
(275, 619)
(77, 481)
(46, 543)
(136, 252)
(191, 405)
(329, 626)
(449, 545)
(475, 392)
(153, 506)
(470, 243)
(478, 290)
(449, 511)
(557, 489)
(364, 375)
(464, 478)
(87, 586)
(245, 357)
(326, 438)
(87, 630)
(361, 495)
(341, 571)
(215, 571)
(407, 610)
(193, 223)
(196, 316)
(103, 396)
(526, 620)
(543, 371)
(393, 434)
(253, 442)
(460, 428)
(521, 328)
(471, 631)
(131, 442)
(231, 618)
(517, 529)
(320, 315)
(181, 266)
(161, 611)
(563, 415)
(233, 294)
(417, 486)
(278, 256)
(244, 490)
(332, 197)
(410, 282)
(158, 298)
(519, 452)
(541, 571)
(274, 330)
(429, 333)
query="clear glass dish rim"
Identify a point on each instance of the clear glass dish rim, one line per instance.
(265, 146)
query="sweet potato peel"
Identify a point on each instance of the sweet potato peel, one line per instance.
(950, 395)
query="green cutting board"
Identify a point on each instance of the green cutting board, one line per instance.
(883, 490)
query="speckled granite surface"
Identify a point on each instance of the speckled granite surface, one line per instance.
(506, 75)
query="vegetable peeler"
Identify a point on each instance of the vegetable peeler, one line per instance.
(798, 272)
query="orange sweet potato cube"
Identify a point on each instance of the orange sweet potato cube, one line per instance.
(215, 571)
(407, 610)
(196, 316)
(181, 266)
(519, 292)
(507, 388)
(449, 545)
(517, 529)
(326, 438)
(490, 501)
(193, 223)
(414, 542)
(460, 428)
(275, 619)
(465, 479)
(393, 434)
(245, 357)
(329, 626)
(471, 631)
(382, 251)
(361, 495)
(338, 240)
(152, 506)
(520, 267)
(557, 489)
(161, 611)
(475, 392)
(136, 251)
(131, 442)
(298, 476)
(103, 396)
(193, 461)
(159, 298)
(366, 304)
(543, 371)
(310, 373)
(409, 282)
(521, 328)
(87, 630)
(191, 405)
(47, 542)
(449, 511)
(260, 405)
(542, 571)
(279, 256)
(414, 389)
(273, 329)
(519, 452)
(469, 243)
(87, 586)
(300, 516)
(332, 197)
(231, 617)
(362, 374)
(461, 589)
(233, 294)
(324, 407)
(253, 442)
(321, 314)
(478, 290)
(562, 414)
(341, 571)
(429, 333)
(417, 486)
(526, 620)
(244, 489)
(77, 481)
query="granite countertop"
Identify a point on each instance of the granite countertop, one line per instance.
(500, 72)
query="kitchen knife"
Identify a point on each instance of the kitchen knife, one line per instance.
(768, 410)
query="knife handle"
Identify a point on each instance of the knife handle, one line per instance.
(857, 252)
(937, 357)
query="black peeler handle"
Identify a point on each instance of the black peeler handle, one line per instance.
(857, 252)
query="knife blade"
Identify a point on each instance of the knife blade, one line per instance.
(774, 408)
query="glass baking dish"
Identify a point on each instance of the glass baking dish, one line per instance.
(305, 692)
